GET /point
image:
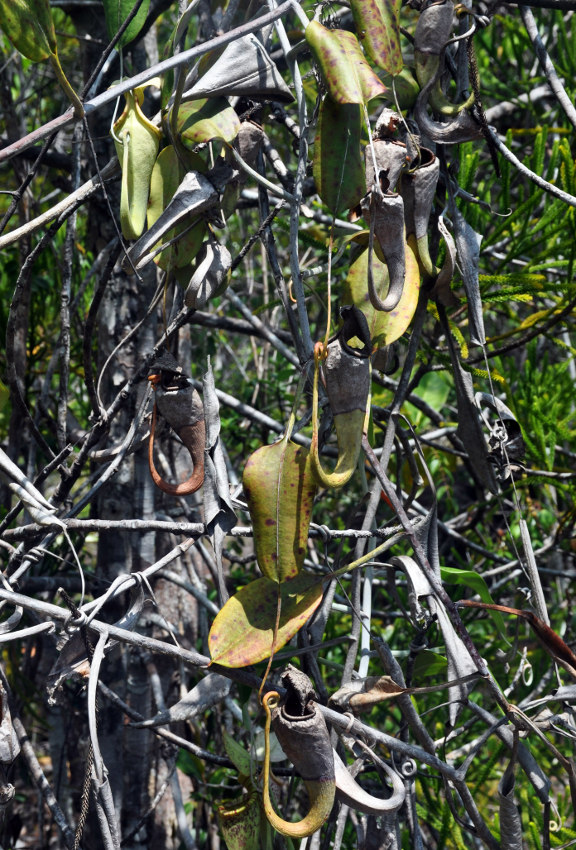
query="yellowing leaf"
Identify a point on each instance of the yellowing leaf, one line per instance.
(28, 24)
(385, 328)
(280, 489)
(243, 630)
(207, 119)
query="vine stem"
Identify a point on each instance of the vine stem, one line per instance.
(432, 577)
(139, 79)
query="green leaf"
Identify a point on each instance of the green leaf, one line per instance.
(29, 26)
(280, 489)
(377, 22)
(243, 630)
(167, 174)
(207, 119)
(343, 66)
(338, 163)
(116, 12)
(475, 582)
(385, 327)
(237, 754)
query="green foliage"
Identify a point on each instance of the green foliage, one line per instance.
(527, 285)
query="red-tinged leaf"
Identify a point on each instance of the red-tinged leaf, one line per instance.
(349, 77)
(377, 23)
(280, 488)
(207, 119)
(243, 631)
(338, 161)
(385, 328)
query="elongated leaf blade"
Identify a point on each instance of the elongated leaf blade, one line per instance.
(28, 25)
(243, 631)
(116, 12)
(378, 22)
(349, 77)
(338, 163)
(280, 487)
(468, 578)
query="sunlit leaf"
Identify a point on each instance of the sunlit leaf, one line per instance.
(280, 489)
(28, 24)
(474, 581)
(243, 69)
(206, 119)
(385, 328)
(349, 77)
(378, 27)
(243, 630)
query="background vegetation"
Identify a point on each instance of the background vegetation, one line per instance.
(488, 763)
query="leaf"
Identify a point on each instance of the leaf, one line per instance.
(28, 25)
(468, 247)
(349, 77)
(207, 119)
(195, 196)
(116, 12)
(469, 427)
(244, 69)
(237, 754)
(377, 22)
(338, 165)
(468, 578)
(243, 630)
(211, 274)
(166, 176)
(280, 489)
(385, 328)
(460, 664)
(137, 141)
